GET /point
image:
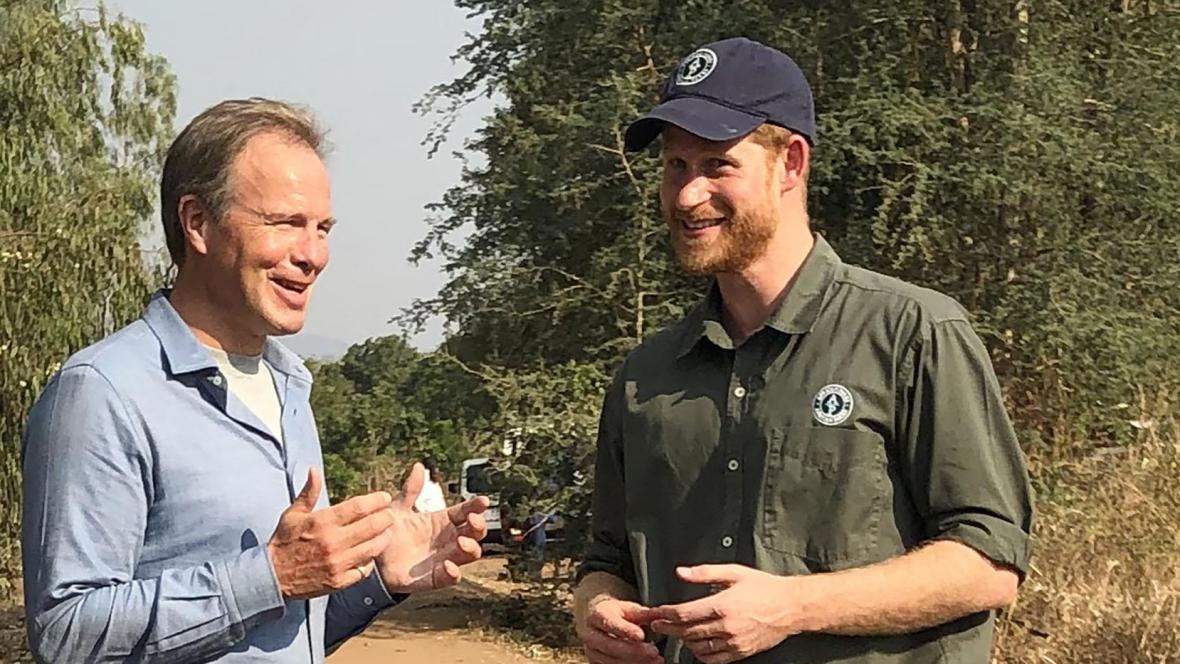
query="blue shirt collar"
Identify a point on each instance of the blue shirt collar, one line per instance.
(185, 355)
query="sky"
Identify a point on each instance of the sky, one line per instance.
(360, 66)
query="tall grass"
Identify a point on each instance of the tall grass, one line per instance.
(1105, 585)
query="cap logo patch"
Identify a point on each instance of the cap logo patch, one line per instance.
(832, 405)
(696, 67)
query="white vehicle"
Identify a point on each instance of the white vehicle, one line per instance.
(475, 480)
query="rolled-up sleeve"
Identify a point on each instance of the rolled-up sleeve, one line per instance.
(88, 487)
(961, 457)
(609, 551)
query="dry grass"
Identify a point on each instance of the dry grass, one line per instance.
(1105, 588)
(1105, 585)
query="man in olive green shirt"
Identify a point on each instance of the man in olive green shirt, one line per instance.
(815, 464)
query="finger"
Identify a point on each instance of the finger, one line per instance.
(462, 550)
(476, 527)
(350, 575)
(608, 646)
(638, 614)
(365, 570)
(705, 631)
(721, 574)
(363, 554)
(458, 513)
(310, 494)
(613, 624)
(368, 528)
(446, 574)
(413, 486)
(468, 551)
(355, 509)
(707, 648)
(690, 612)
(669, 628)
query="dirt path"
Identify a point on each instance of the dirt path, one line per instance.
(442, 628)
(447, 627)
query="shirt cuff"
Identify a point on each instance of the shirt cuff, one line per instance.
(392, 599)
(253, 587)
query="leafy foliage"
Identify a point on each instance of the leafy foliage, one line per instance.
(383, 406)
(1021, 157)
(85, 114)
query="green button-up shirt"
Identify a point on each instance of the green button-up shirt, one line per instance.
(861, 421)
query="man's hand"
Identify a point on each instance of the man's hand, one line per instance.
(612, 633)
(319, 552)
(427, 549)
(753, 612)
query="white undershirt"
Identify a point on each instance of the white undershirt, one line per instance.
(249, 378)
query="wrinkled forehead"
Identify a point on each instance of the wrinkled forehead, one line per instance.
(275, 168)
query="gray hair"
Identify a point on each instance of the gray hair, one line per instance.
(199, 160)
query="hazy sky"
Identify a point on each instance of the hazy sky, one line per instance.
(360, 66)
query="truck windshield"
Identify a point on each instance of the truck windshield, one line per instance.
(479, 479)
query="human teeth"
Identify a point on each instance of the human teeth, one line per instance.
(697, 225)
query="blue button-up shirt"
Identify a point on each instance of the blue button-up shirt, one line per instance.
(150, 493)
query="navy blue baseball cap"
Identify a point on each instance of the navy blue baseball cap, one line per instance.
(726, 90)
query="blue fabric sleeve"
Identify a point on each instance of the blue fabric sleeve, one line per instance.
(88, 490)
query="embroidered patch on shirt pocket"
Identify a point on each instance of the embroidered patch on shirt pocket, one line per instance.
(823, 495)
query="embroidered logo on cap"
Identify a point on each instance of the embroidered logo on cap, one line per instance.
(696, 67)
(832, 405)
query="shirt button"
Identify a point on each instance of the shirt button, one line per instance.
(733, 464)
(727, 541)
(215, 379)
(739, 391)
(368, 601)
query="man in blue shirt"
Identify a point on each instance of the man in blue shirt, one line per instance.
(163, 515)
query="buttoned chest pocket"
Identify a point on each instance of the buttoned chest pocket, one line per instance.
(823, 495)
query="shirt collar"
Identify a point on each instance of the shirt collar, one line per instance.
(185, 355)
(796, 313)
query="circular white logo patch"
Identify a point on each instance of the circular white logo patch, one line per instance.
(832, 405)
(696, 67)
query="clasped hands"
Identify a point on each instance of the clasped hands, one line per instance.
(316, 552)
(750, 612)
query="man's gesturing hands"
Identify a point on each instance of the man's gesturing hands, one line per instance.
(751, 612)
(316, 552)
(612, 633)
(428, 548)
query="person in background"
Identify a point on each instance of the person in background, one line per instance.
(432, 498)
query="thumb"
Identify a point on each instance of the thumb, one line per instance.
(307, 498)
(725, 575)
(413, 486)
(637, 614)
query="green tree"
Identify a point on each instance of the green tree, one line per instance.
(1021, 157)
(385, 404)
(85, 114)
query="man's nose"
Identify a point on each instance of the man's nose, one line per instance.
(310, 253)
(693, 192)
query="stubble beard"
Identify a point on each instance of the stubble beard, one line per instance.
(742, 239)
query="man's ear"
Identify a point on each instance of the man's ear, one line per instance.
(195, 222)
(796, 161)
